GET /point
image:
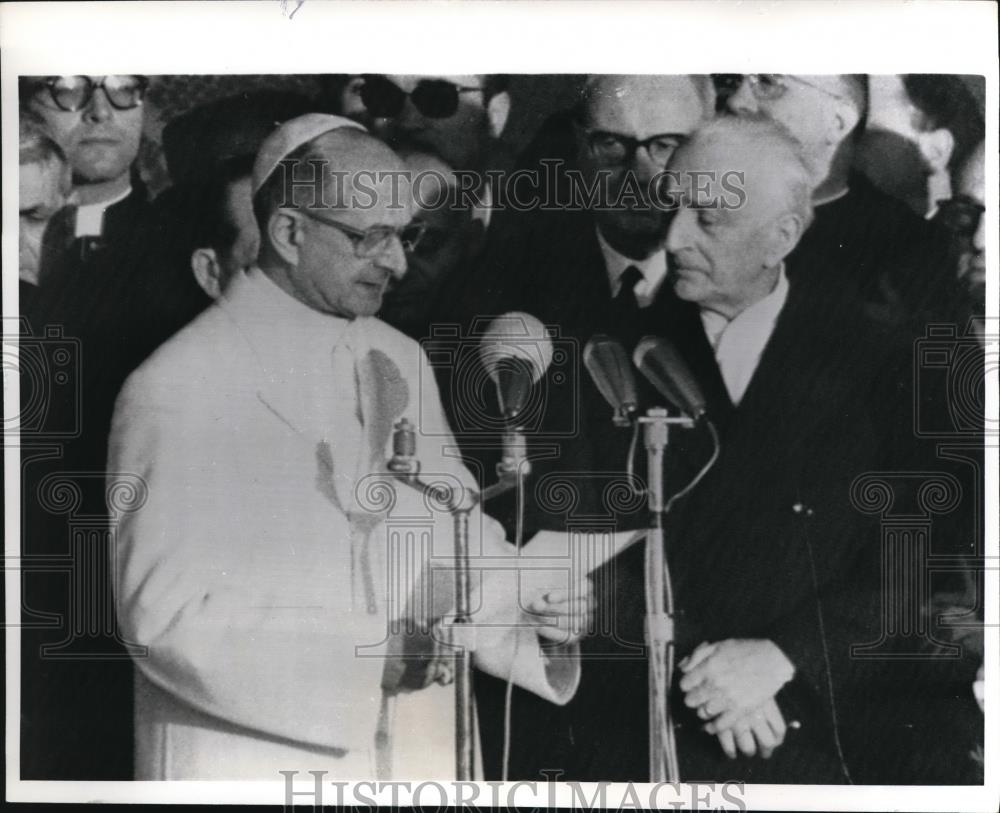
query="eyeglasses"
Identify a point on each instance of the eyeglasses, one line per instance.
(960, 215)
(434, 98)
(73, 93)
(770, 86)
(375, 240)
(618, 149)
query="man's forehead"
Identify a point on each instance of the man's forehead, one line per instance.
(645, 105)
(409, 81)
(830, 82)
(718, 165)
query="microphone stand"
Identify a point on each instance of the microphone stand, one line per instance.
(663, 764)
(511, 470)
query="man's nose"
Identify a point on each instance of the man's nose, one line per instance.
(409, 118)
(643, 165)
(677, 234)
(393, 259)
(742, 100)
(98, 108)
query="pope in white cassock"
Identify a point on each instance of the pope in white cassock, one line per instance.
(255, 569)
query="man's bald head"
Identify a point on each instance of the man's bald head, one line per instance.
(349, 162)
(773, 164)
(726, 248)
(646, 99)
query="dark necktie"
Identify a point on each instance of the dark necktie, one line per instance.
(625, 308)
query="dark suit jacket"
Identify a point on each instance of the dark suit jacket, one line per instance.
(111, 303)
(900, 265)
(770, 545)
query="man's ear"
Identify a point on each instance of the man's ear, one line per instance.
(844, 117)
(284, 230)
(498, 111)
(786, 232)
(936, 147)
(207, 272)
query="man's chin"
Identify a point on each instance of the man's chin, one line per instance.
(642, 232)
(687, 289)
(92, 172)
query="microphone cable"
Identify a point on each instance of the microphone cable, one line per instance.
(509, 689)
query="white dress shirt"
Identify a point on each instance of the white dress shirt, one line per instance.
(740, 342)
(653, 270)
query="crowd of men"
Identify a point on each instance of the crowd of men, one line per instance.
(241, 355)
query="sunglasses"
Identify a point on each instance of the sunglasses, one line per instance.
(433, 98)
(375, 240)
(73, 93)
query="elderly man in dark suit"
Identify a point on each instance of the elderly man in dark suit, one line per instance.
(775, 563)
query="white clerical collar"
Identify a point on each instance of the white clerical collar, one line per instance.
(289, 337)
(653, 270)
(831, 198)
(90, 216)
(740, 342)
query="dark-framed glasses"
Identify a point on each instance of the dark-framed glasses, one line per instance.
(771, 86)
(73, 93)
(617, 149)
(375, 240)
(960, 215)
(434, 98)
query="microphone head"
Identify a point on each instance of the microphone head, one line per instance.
(658, 360)
(516, 351)
(516, 335)
(609, 366)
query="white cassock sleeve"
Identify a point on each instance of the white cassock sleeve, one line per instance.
(505, 581)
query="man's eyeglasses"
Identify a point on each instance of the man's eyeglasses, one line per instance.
(960, 215)
(434, 98)
(617, 149)
(73, 93)
(770, 86)
(375, 240)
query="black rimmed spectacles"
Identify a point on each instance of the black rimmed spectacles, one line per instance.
(375, 240)
(434, 98)
(617, 149)
(73, 93)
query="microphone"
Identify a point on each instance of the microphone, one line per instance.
(659, 361)
(516, 351)
(608, 364)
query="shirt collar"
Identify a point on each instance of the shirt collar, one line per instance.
(740, 342)
(289, 338)
(832, 198)
(653, 269)
(90, 216)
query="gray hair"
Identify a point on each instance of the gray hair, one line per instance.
(779, 151)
